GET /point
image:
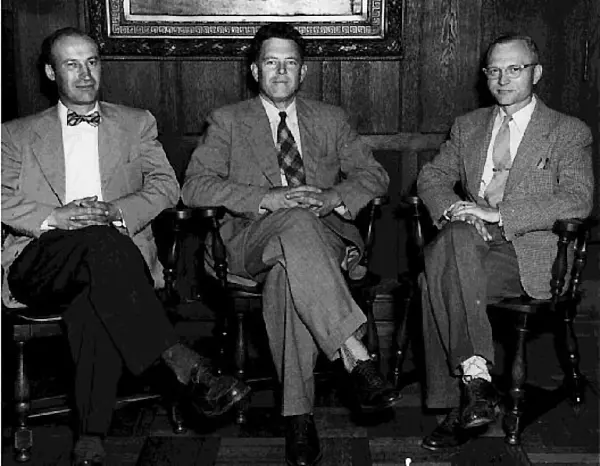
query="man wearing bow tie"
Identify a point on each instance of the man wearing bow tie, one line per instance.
(81, 183)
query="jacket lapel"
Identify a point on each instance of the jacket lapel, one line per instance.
(476, 162)
(534, 142)
(308, 137)
(260, 142)
(48, 149)
(112, 144)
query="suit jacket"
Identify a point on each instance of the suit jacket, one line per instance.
(134, 170)
(551, 178)
(235, 165)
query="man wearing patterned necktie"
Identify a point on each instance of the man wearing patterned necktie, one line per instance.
(290, 171)
(521, 166)
(81, 183)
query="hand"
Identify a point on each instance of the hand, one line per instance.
(111, 211)
(78, 214)
(286, 198)
(476, 222)
(330, 199)
(487, 214)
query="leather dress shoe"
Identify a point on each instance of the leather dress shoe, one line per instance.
(374, 393)
(88, 451)
(449, 434)
(215, 395)
(480, 399)
(301, 441)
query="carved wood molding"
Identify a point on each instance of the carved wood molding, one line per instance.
(389, 47)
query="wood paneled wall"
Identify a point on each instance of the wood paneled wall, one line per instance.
(437, 79)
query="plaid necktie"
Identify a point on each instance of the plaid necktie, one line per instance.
(288, 156)
(73, 119)
(502, 163)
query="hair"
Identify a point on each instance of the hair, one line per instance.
(275, 30)
(48, 43)
(529, 43)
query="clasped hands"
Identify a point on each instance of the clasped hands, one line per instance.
(81, 213)
(319, 201)
(473, 214)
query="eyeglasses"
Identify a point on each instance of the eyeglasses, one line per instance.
(512, 71)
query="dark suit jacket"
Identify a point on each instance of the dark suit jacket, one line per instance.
(235, 164)
(135, 175)
(551, 178)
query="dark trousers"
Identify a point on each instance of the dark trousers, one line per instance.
(463, 273)
(111, 311)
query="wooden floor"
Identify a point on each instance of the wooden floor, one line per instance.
(141, 435)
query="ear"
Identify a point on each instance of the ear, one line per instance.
(254, 70)
(303, 71)
(49, 72)
(537, 73)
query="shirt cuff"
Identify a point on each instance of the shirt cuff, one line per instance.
(45, 226)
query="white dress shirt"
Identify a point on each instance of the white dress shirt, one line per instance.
(517, 127)
(82, 163)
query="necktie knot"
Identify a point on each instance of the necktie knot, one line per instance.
(282, 116)
(73, 119)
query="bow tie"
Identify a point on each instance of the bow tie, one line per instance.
(73, 119)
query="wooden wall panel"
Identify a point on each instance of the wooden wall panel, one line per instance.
(206, 85)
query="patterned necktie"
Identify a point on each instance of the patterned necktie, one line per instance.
(73, 119)
(502, 163)
(288, 156)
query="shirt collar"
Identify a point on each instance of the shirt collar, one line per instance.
(520, 118)
(63, 110)
(273, 112)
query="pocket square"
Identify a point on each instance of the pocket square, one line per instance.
(543, 163)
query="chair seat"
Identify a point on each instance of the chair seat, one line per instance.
(528, 305)
(33, 315)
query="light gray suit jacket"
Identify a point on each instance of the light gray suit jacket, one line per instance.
(235, 165)
(134, 170)
(551, 178)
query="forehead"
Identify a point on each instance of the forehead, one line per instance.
(515, 52)
(74, 47)
(276, 47)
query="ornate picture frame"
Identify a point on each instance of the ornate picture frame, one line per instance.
(165, 29)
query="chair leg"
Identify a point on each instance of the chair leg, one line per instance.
(513, 417)
(240, 358)
(22, 434)
(574, 379)
(176, 418)
(372, 336)
(401, 337)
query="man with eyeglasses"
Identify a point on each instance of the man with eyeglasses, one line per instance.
(521, 166)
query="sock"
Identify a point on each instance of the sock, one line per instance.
(182, 360)
(475, 367)
(353, 351)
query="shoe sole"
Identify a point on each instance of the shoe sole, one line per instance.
(317, 460)
(478, 423)
(438, 449)
(380, 408)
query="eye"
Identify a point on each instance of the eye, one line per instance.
(292, 63)
(93, 61)
(493, 72)
(514, 69)
(270, 62)
(71, 65)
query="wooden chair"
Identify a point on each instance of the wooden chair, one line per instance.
(239, 299)
(27, 324)
(557, 313)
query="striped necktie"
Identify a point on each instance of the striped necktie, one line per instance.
(288, 155)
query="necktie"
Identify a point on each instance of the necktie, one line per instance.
(502, 163)
(73, 119)
(288, 156)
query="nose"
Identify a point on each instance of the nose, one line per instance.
(281, 68)
(84, 72)
(503, 78)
